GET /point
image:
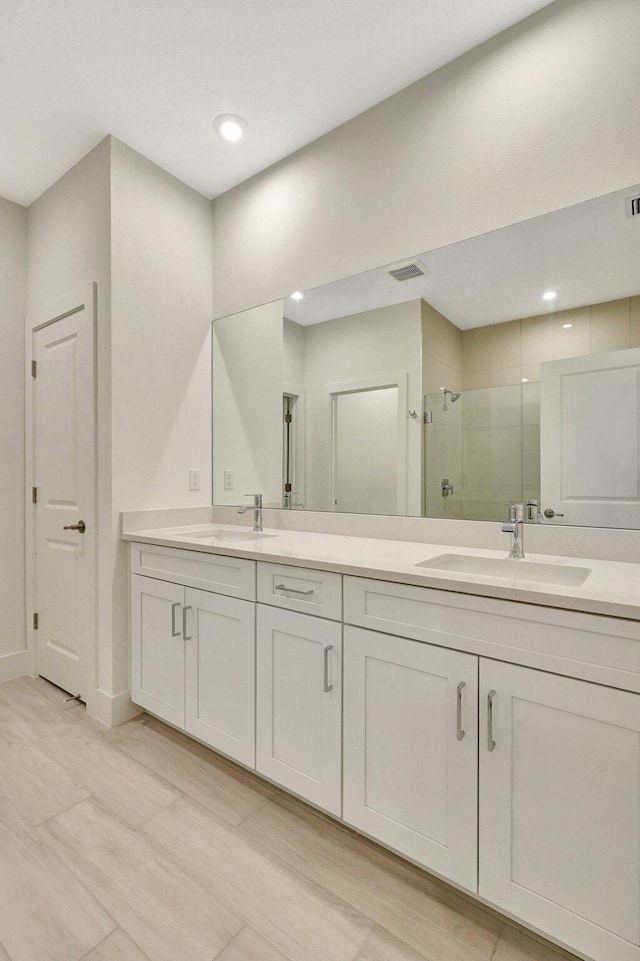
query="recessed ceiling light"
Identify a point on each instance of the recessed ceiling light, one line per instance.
(297, 295)
(230, 126)
(550, 295)
(524, 380)
(566, 326)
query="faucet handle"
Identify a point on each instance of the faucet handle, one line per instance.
(516, 511)
(533, 511)
(257, 499)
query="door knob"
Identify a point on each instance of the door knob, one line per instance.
(80, 526)
(551, 513)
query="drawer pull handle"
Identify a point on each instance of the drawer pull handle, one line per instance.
(185, 611)
(174, 609)
(293, 590)
(326, 687)
(490, 741)
(459, 732)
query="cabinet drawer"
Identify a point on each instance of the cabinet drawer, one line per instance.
(605, 650)
(300, 589)
(234, 576)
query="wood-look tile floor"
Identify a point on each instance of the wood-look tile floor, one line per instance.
(138, 844)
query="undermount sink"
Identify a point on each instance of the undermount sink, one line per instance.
(217, 535)
(519, 570)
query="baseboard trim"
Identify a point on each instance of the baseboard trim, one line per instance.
(16, 664)
(112, 709)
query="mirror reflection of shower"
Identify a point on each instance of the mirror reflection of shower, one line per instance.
(453, 394)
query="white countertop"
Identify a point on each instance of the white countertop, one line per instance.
(612, 588)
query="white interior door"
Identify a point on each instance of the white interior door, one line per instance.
(560, 807)
(590, 439)
(63, 458)
(411, 749)
(366, 451)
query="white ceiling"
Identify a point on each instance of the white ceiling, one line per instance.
(588, 253)
(155, 73)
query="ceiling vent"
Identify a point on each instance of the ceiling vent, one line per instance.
(408, 271)
(633, 207)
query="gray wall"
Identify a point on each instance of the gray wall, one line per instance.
(13, 297)
(533, 120)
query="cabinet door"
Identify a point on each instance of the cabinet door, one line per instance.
(157, 648)
(411, 749)
(220, 673)
(299, 700)
(560, 807)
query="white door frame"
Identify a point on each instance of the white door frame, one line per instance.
(300, 436)
(332, 392)
(81, 298)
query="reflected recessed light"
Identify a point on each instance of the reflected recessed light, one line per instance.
(230, 126)
(550, 295)
(566, 326)
(297, 295)
(524, 380)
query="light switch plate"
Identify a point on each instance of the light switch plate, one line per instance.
(228, 480)
(194, 479)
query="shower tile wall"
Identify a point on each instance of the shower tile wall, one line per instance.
(488, 446)
(492, 451)
(503, 354)
(442, 367)
(444, 457)
(488, 443)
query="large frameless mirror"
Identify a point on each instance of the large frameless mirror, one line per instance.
(503, 368)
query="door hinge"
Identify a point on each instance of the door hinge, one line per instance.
(288, 418)
(34, 495)
(35, 622)
(34, 368)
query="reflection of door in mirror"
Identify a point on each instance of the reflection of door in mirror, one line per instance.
(590, 440)
(365, 451)
(293, 445)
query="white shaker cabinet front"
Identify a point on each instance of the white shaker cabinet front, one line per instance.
(157, 647)
(410, 749)
(560, 807)
(299, 704)
(220, 673)
(193, 662)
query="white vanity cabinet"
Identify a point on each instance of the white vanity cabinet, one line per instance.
(193, 650)
(558, 818)
(494, 742)
(157, 648)
(299, 704)
(560, 807)
(220, 673)
(411, 749)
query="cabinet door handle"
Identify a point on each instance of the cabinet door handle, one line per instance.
(326, 687)
(174, 608)
(185, 611)
(459, 732)
(292, 590)
(490, 741)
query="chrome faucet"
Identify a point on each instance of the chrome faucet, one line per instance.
(515, 527)
(256, 507)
